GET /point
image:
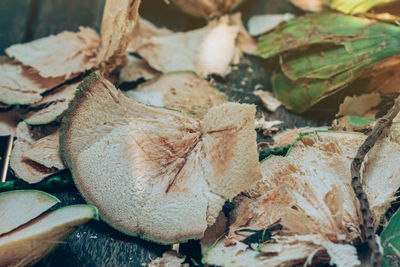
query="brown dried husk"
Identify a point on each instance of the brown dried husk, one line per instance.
(309, 193)
(36, 153)
(63, 55)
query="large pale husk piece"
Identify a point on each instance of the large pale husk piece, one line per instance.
(167, 185)
(207, 8)
(309, 193)
(208, 50)
(63, 55)
(22, 85)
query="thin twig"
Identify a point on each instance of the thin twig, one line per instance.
(383, 123)
(6, 159)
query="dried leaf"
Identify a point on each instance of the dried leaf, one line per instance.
(260, 24)
(177, 91)
(43, 154)
(136, 69)
(361, 106)
(119, 20)
(63, 55)
(21, 85)
(206, 50)
(52, 106)
(207, 8)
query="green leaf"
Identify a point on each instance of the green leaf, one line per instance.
(390, 240)
(259, 236)
(357, 6)
(57, 181)
(356, 121)
(276, 151)
(322, 53)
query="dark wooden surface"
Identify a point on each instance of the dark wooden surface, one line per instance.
(96, 244)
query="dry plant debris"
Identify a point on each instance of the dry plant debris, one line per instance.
(309, 192)
(183, 91)
(136, 69)
(169, 259)
(208, 50)
(162, 169)
(166, 186)
(36, 153)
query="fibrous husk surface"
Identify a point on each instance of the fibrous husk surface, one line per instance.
(208, 50)
(63, 55)
(167, 185)
(52, 106)
(183, 91)
(136, 69)
(309, 194)
(119, 20)
(36, 153)
(22, 85)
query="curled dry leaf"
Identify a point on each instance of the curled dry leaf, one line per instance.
(8, 122)
(313, 200)
(206, 50)
(119, 20)
(183, 91)
(63, 55)
(207, 8)
(52, 106)
(169, 259)
(35, 155)
(141, 178)
(260, 24)
(136, 69)
(22, 85)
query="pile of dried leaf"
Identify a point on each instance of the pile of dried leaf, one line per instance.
(173, 159)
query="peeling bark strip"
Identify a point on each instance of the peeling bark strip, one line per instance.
(382, 124)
